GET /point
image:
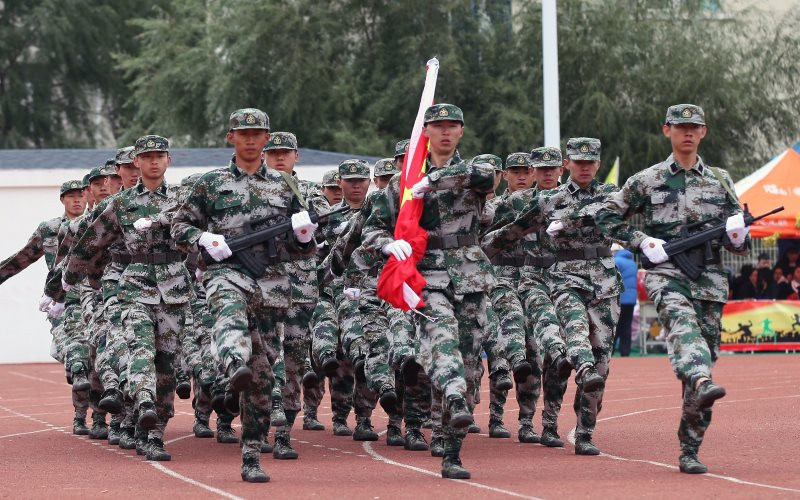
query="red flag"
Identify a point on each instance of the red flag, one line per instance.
(400, 283)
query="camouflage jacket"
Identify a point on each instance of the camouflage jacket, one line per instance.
(223, 201)
(452, 210)
(667, 197)
(303, 272)
(332, 232)
(350, 259)
(141, 282)
(43, 242)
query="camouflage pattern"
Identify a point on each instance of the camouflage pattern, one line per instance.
(385, 167)
(354, 169)
(583, 148)
(667, 197)
(442, 112)
(401, 148)
(42, 243)
(545, 157)
(495, 161)
(248, 118)
(685, 113)
(68, 186)
(281, 140)
(331, 178)
(124, 155)
(517, 160)
(102, 171)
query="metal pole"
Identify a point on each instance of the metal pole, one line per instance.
(552, 119)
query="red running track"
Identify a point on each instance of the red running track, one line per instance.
(751, 447)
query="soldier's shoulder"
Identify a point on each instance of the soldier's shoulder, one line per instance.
(50, 225)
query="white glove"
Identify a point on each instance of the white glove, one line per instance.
(44, 303)
(199, 274)
(303, 227)
(419, 189)
(554, 228)
(66, 286)
(401, 249)
(143, 223)
(352, 293)
(55, 310)
(653, 249)
(737, 231)
(215, 245)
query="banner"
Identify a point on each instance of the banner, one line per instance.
(761, 325)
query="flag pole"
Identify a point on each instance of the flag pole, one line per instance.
(552, 119)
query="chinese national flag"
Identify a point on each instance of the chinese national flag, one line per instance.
(400, 283)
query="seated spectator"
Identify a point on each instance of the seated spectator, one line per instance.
(742, 287)
(764, 262)
(790, 289)
(789, 261)
(766, 279)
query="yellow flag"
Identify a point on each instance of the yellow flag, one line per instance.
(613, 174)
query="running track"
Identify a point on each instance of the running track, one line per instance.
(751, 448)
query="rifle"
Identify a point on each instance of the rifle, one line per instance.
(265, 230)
(678, 249)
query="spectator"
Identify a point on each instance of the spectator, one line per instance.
(742, 286)
(766, 275)
(790, 289)
(627, 268)
(789, 261)
(764, 262)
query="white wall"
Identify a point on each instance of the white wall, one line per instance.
(28, 197)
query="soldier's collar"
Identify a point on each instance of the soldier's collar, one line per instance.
(456, 158)
(162, 190)
(237, 171)
(573, 188)
(674, 167)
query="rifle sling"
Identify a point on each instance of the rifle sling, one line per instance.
(290, 180)
(722, 181)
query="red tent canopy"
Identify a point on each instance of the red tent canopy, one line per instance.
(775, 184)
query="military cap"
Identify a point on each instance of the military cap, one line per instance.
(104, 171)
(685, 113)
(86, 180)
(330, 178)
(124, 155)
(441, 112)
(150, 143)
(545, 157)
(71, 186)
(385, 167)
(516, 160)
(249, 118)
(492, 160)
(354, 169)
(281, 140)
(583, 148)
(401, 148)
(111, 162)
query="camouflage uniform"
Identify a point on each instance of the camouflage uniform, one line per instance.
(668, 197)
(457, 273)
(247, 310)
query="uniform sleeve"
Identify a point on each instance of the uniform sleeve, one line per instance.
(347, 242)
(378, 228)
(505, 232)
(102, 231)
(734, 207)
(612, 215)
(190, 221)
(478, 177)
(27, 255)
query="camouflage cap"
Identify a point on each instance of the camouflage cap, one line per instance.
(249, 118)
(516, 160)
(150, 143)
(491, 159)
(124, 155)
(281, 140)
(86, 180)
(401, 148)
(385, 167)
(68, 186)
(583, 148)
(331, 178)
(354, 169)
(104, 171)
(111, 162)
(545, 157)
(685, 113)
(442, 112)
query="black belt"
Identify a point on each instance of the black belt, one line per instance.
(506, 260)
(451, 241)
(540, 261)
(156, 258)
(587, 253)
(121, 258)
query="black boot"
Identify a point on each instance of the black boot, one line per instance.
(585, 446)
(460, 416)
(184, 389)
(437, 447)
(225, 433)
(252, 471)
(141, 441)
(415, 441)
(99, 428)
(388, 400)
(358, 370)
(330, 365)
(126, 439)
(265, 446)
(310, 379)
(111, 401)
(277, 417)
(364, 430)
(217, 399)
(521, 370)
(310, 422)
(283, 447)
(201, 429)
(453, 469)
(232, 401)
(240, 375)
(79, 427)
(497, 429)
(561, 366)
(550, 438)
(589, 380)
(80, 381)
(474, 429)
(114, 433)
(707, 393)
(526, 434)
(147, 414)
(156, 451)
(502, 380)
(340, 428)
(688, 463)
(394, 437)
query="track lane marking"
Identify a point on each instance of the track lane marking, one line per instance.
(31, 432)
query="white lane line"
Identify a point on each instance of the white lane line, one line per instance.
(377, 456)
(33, 414)
(735, 480)
(24, 375)
(178, 439)
(31, 432)
(191, 481)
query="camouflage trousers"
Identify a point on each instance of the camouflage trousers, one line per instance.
(375, 329)
(76, 338)
(116, 349)
(153, 334)
(296, 344)
(255, 401)
(312, 396)
(694, 422)
(354, 347)
(80, 399)
(506, 340)
(416, 400)
(57, 345)
(589, 324)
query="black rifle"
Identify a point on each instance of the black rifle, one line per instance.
(263, 231)
(678, 249)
